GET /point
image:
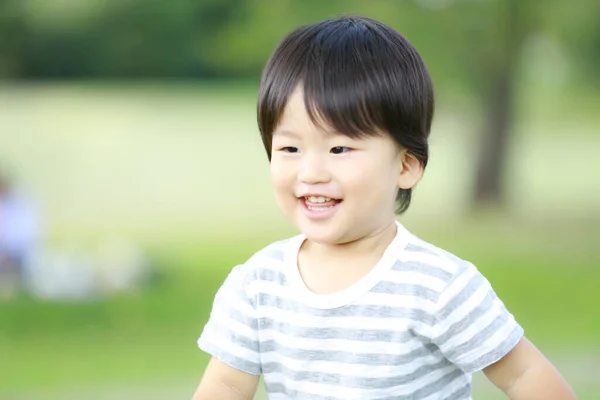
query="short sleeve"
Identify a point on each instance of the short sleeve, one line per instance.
(231, 331)
(473, 328)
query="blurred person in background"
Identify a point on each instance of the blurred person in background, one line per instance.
(19, 236)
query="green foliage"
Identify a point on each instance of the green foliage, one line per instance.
(135, 38)
(233, 38)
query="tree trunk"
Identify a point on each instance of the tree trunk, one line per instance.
(490, 188)
(489, 179)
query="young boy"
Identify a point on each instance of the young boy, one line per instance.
(356, 307)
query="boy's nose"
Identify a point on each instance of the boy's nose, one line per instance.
(313, 170)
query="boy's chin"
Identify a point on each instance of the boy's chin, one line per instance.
(323, 235)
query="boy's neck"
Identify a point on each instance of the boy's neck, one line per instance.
(373, 244)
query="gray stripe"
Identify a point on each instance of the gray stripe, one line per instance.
(463, 393)
(215, 325)
(272, 276)
(462, 297)
(278, 388)
(367, 335)
(228, 291)
(479, 339)
(435, 387)
(422, 393)
(372, 359)
(367, 311)
(229, 359)
(500, 351)
(426, 269)
(238, 339)
(463, 324)
(242, 318)
(276, 254)
(406, 289)
(413, 248)
(355, 382)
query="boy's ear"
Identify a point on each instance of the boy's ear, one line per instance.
(411, 171)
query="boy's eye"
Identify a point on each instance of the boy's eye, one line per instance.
(339, 149)
(289, 149)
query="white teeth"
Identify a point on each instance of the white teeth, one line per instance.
(318, 199)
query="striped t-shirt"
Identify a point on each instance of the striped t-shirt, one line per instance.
(415, 327)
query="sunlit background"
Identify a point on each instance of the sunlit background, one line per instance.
(133, 178)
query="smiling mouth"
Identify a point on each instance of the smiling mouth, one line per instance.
(319, 203)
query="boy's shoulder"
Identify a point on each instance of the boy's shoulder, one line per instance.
(271, 257)
(419, 254)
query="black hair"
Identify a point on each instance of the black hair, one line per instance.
(360, 77)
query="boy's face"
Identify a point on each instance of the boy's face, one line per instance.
(333, 188)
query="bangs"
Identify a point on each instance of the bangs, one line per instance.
(344, 110)
(359, 78)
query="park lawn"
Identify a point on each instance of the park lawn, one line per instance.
(150, 336)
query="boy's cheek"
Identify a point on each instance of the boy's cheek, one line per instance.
(279, 170)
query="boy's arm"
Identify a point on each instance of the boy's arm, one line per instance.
(524, 373)
(222, 382)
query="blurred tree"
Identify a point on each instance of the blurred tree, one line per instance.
(232, 38)
(513, 22)
(487, 41)
(577, 24)
(13, 32)
(112, 38)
